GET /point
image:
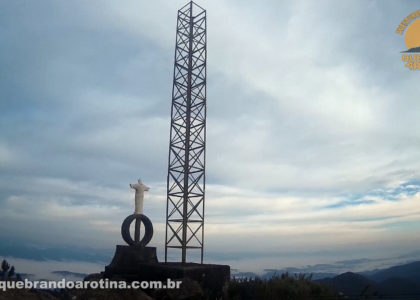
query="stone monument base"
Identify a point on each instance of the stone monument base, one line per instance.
(133, 263)
(128, 259)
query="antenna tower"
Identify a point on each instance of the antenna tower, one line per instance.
(187, 145)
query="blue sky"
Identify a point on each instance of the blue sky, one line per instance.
(312, 131)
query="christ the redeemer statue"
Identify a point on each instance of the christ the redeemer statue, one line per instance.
(138, 198)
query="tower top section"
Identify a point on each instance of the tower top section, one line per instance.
(192, 9)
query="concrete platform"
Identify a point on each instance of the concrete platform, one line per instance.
(132, 263)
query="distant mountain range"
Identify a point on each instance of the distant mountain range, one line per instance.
(352, 284)
(397, 281)
(400, 281)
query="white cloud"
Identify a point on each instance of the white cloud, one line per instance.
(6, 156)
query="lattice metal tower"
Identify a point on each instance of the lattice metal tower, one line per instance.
(187, 146)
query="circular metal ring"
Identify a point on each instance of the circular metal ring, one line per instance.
(148, 227)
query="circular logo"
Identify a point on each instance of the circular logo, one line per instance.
(412, 36)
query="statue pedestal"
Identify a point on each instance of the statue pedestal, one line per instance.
(130, 259)
(141, 264)
(211, 278)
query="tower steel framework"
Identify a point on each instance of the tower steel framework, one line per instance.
(187, 146)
